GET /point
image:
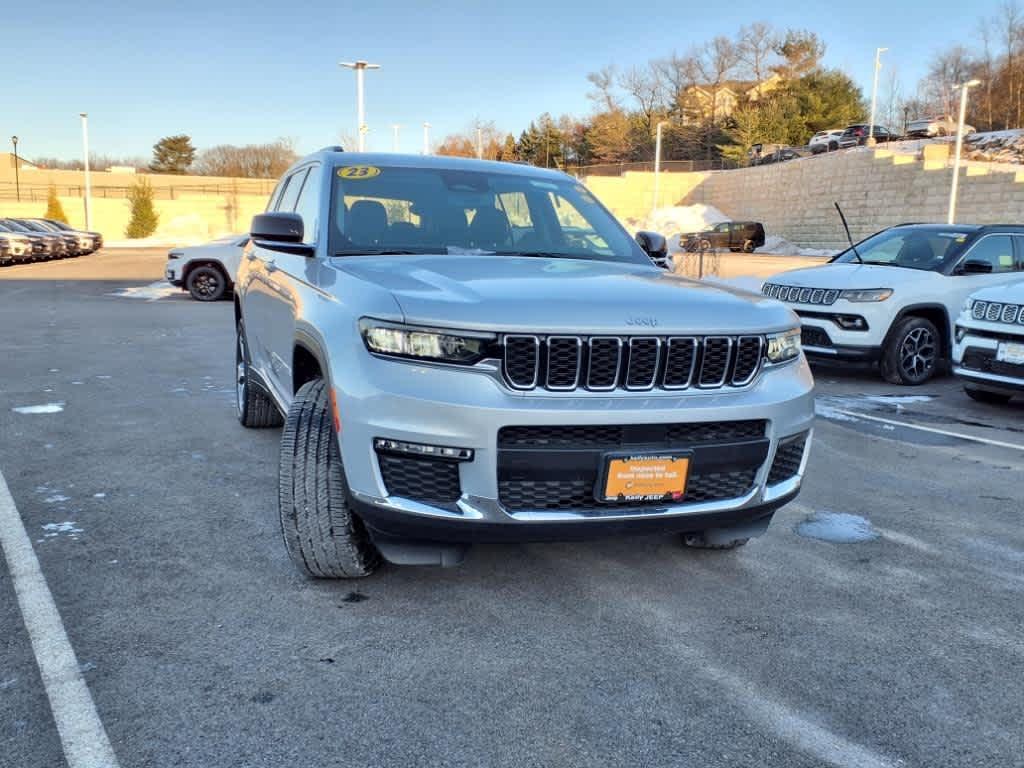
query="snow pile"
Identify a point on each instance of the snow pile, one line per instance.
(677, 220)
(996, 146)
(780, 246)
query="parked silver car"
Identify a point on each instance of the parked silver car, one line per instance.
(464, 350)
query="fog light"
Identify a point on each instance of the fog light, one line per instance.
(421, 449)
(852, 322)
(960, 333)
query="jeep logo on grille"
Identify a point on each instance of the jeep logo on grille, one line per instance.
(646, 322)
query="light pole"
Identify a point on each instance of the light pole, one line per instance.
(657, 162)
(85, 152)
(394, 137)
(964, 87)
(874, 96)
(479, 144)
(17, 182)
(360, 67)
(426, 138)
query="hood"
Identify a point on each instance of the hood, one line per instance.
(844, 276)
(506, 293)
(1011, 293)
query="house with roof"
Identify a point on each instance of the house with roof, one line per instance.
(707, 101)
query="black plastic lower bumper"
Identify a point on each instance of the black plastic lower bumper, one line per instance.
(844, 353)
(399, 525)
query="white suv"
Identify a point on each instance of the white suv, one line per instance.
(893, 298)
(988, 354)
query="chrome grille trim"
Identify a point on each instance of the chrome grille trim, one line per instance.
(704, 362)
(712, 364)
(579, 362)
(672, 342)
(760, 356)
(536, 361)
(800, 295)
(657, 363)
(590, 360)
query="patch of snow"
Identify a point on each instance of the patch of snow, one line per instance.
(898, 400)
(828, 410)
(837, 527)
(56, 529)
(5, 684)
(56, 498)
(99, 495)
(45, 408)
(152, 292)
(780, 246)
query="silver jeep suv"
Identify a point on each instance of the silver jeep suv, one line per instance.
(465, 351)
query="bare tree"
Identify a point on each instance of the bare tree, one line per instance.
(716, 64)
(647, 91)
(755, 46)
(986, 66)
(678, 74)
(947, 69)
(603, 94)
(257, 161)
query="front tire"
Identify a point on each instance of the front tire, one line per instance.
(748, 246)
(255, 408)
(206, 284)
(985, 396)
(324, 538)
(911, 355)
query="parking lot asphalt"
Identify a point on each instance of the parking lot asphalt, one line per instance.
(153, 516)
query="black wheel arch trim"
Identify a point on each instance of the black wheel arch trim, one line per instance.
(945, 330)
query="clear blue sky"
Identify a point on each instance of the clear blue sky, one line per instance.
(234, 73)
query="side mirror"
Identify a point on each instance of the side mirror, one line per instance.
(655, 246)
(277, 227)
(976, 267)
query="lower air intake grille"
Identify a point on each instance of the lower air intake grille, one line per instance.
(617, 435)
(579, 494)
(814, 337)
(787, 460)
(426, 480)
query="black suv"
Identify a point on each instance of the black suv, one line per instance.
(857, 135)
(735, 235)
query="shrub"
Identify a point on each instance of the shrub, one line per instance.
(54, 210)
(144, 218)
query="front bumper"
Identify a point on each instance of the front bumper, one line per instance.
(458, 408)
(825, 339)
(974, 357)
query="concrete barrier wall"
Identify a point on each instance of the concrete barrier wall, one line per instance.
(190, 218)
(876, 189)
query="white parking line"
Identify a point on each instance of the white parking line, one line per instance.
(933, 430)
(82, 735)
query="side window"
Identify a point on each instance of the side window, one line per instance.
(996, 250)
(286, 204)
(275, 197)
(723, 227)
(308, 205)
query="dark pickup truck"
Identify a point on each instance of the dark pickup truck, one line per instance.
(735, 235)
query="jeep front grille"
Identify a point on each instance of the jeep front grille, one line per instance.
(797, 295)
(604, 363)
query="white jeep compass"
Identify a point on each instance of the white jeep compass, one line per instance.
(893, 298)
(989, 352)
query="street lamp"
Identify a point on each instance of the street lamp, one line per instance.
(874, 96)
(85, 150)
(657, 162)
(964, 87)
(394, 137)
(479, 143)
(360, 67)
(426, 138)
(17, 182)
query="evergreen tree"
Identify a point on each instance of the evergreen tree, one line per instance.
(54, 210)
(508, 150)
(173, 154)
(144, 217)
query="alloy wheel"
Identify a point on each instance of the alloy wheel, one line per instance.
(917, 353)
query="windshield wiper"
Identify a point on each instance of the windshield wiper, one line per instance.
(386, 251)
(544, 254)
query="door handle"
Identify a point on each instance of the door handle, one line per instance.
(271, 266)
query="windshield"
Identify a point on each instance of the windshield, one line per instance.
(432, 210)
(913, 248)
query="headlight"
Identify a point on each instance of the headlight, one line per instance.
(869, 294)
(783, 346)
(461, 347)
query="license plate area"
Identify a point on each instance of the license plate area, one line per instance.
(643, 477)
(1010, 352)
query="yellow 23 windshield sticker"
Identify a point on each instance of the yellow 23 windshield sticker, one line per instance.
(359, 172)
